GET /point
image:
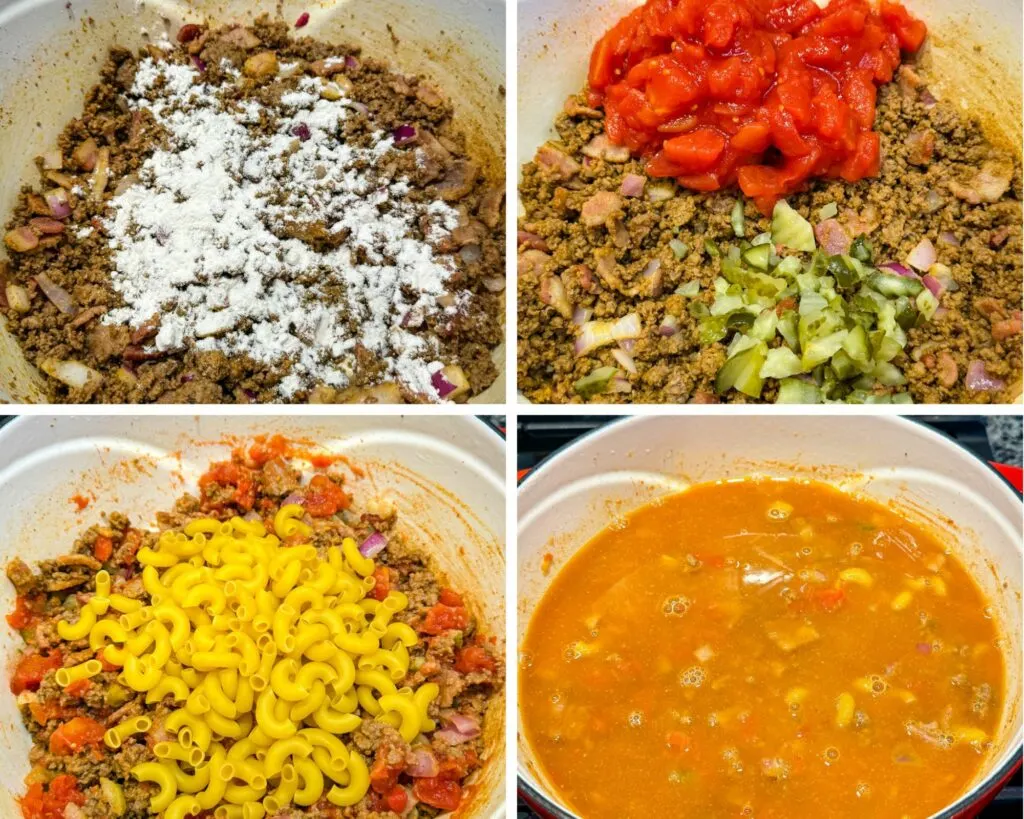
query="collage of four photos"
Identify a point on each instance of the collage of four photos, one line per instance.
(308, 513)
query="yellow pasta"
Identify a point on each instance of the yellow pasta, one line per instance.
(267, 647)
(82, 671)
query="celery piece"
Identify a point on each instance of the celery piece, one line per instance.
(596, 382)
(781, 362)
(857, 345)
(678, 248)
(742, 372)
(796, 391)
(828, 211)
(758, 256)
(927, 304)
(790, 229)
(690, 289)
(893, 286)
(860, 249)
(736, 218)
(711, 249)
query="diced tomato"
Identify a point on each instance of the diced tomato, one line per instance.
(76, 734)
(441, 618)
(78, 688)
(443, 794)
(473, 658)
(397, 799)
(50, 802)
(382, 583)
(752, 138)
(29, 673)
(103, 548)
(323, 497)
(384, 777)
(457, 767)
(450, 597)
(911, 32)
(828, 599)
(24, 612)
(677, 741)
(231, 474)
(704, 90)
(44, 710)
(696, 151)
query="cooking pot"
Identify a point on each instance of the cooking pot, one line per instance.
(51, 52)
(928, 478)
(446, 476)
(975, 50)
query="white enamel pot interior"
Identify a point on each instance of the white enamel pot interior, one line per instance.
(975, 49)
(445, 474)
(928, 477)
(51, 52)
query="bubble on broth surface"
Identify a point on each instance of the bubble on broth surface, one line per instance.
(636, 719)
(694, 677)
(676, 606)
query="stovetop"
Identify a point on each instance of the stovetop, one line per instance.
(539, 436)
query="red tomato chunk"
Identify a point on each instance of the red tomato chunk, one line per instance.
(763, 93)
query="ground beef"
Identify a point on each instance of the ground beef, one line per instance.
(80, 262)
(105, 700)
(936, 181)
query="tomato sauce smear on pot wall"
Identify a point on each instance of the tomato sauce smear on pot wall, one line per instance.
(764, 93)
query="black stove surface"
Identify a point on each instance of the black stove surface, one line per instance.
(539, 436)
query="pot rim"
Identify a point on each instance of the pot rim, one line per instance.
(539, 801)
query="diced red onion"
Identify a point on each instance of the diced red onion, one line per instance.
(373, 545)
(465, 725)
(924, 648)
(923, 256)
(626, 360)
(940, 311)
(443, 386)
(53, 161)
(404, 134)
(198, 62)
(628, 344)
(58, 203)
(620, 384)
(294, 497)
(626, 327)
(947, 237)
(927, 98)
(899, 270)
(471, 254)
(422, 764)
(632, 185)
(46, 225)
(351, 63)
(978, 379)
(60, 297)
(933, 201)
(301, 131)
(669, 326)
(934, 285)
(581, 315)
(252, 516)
(303, 19)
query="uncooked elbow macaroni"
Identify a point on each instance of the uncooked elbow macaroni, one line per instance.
(258, 643)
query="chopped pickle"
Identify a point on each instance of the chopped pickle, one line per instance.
(596, 382)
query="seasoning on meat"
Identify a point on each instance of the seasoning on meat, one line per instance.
(245, 199)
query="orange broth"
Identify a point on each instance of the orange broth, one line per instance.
(761, 649)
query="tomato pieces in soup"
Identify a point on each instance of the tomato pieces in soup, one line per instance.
(766, 93)
(761, 648)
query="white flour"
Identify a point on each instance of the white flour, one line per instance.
(199, 240)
